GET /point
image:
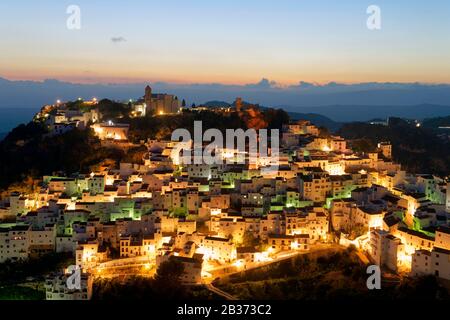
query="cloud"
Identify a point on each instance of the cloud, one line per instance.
(118, 39)
(263, 84)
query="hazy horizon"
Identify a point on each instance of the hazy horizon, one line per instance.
(272, 83)
(339, 102)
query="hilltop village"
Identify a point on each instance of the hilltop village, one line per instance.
(220, 219)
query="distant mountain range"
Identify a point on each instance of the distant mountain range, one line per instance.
(347, 113)
(340, 102)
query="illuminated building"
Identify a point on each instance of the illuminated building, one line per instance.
(314, 223)
(135, 246)
(160, 103)
(435, 262)
(89, 254)
(192, 267)
(315, 187)
(111, 131)
(280, 242)
(387, 250)
(386, 149)
(14, 242)
(251, 257)
(56, 288)
(216, 248)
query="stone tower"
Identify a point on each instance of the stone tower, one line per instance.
(238, 104)
(148, 98)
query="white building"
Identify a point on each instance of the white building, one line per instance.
(14, 242)
(57, 289)
(281, 242)
(442, 239)
(89, 254)
(42, 240)
(436, 262)
(219, 249)
(192, 267)
(111, 131)
(386, 250)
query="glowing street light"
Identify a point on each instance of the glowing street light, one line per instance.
(238, 264)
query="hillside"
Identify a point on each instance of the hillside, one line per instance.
(29, 152)
(418, 149)
(216, 103)
(435, 123)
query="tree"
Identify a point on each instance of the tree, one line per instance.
(169, 272)
(275, 118)
(167, 283)
(183, 103)
(112, 109)
(324, 132)
(363, 145)
(249, 240)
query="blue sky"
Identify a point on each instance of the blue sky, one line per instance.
(226, 41)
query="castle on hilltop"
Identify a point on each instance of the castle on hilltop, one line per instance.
(160, 103)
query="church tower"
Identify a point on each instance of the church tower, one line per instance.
(238, 104)
(148, 98)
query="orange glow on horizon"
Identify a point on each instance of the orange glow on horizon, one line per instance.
(80, 79)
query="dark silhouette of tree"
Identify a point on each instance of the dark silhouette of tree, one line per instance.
(249, 240)
(276, 118)
(166, 285)
(169, 272)
(111, 110)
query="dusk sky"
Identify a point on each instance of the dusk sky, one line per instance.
(228, 42)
